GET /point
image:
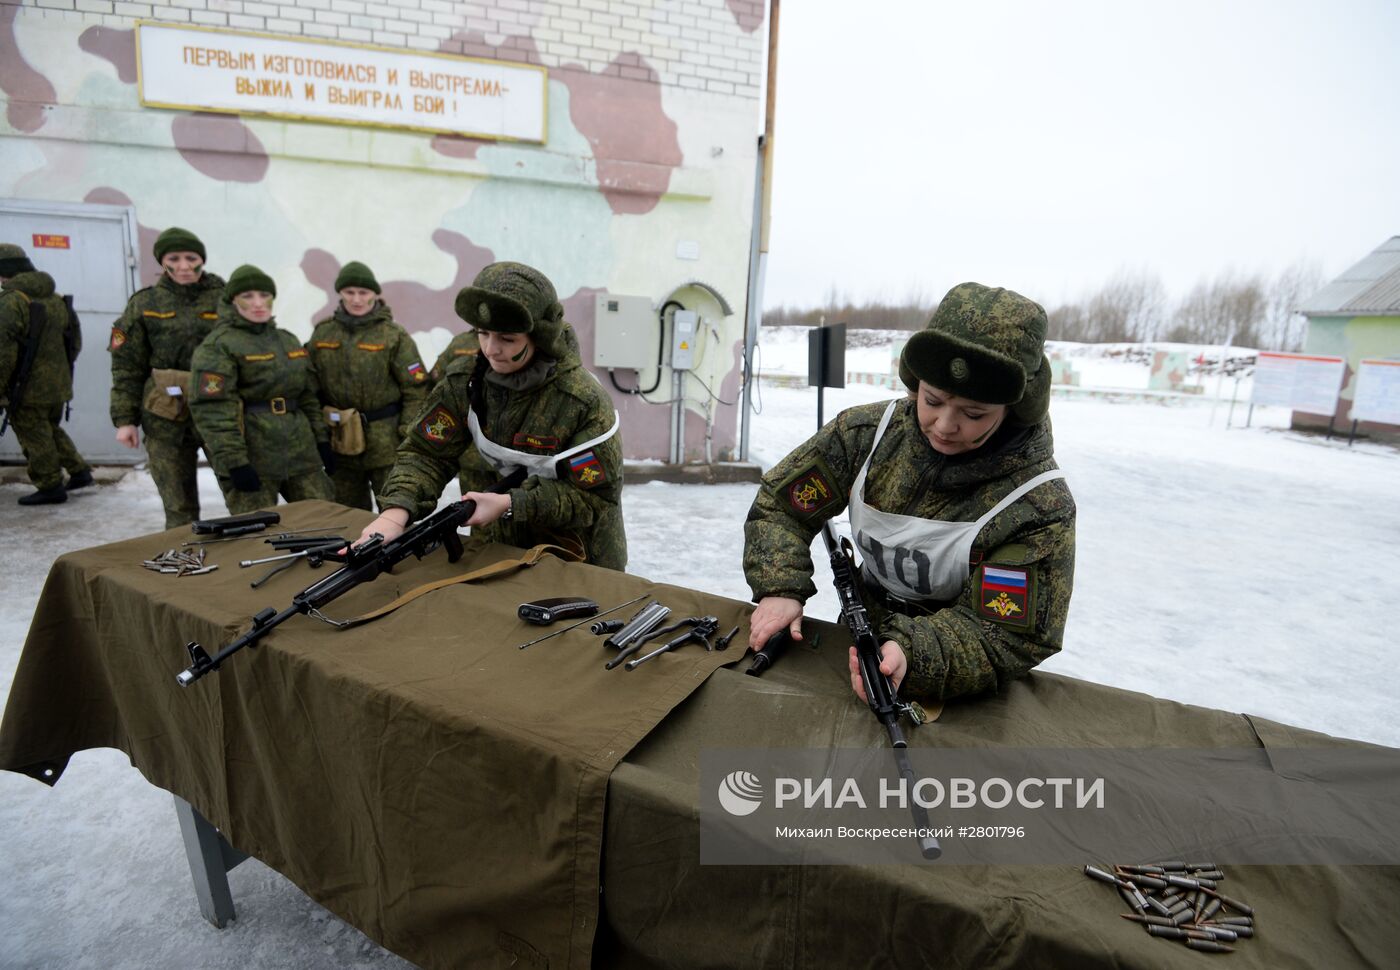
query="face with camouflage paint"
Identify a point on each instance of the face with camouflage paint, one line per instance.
(954, 425)
(183, 268)
(358, 300)
(255, 306)
(506, 352)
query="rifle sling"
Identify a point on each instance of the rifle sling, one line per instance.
(502, 568)
(38, 316)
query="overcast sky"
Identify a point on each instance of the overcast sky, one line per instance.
(1046, 146)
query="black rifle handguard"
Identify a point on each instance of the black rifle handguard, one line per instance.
(362, 563)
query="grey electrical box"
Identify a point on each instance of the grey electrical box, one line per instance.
(625, 332)
(685, 327)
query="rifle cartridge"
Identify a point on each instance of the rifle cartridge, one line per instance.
(1169, 932)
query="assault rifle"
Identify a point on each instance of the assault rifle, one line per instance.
(19, 379)
(363, 563)
(880, 694)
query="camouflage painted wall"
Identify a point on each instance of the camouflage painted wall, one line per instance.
(654, 113)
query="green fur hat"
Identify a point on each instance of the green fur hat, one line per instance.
(14, 260)
(515, 298)
(985, 344)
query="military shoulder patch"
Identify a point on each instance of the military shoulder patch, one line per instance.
(208, 316)
(544, 442)
(810, 490)
(297, 353)
(118, 338)
(464, 352)
(158, 315)
(1006, 594)
(440, 426)
(586, 471)
(328, 345)
(372, 348)
(211, 384)
(255, 358)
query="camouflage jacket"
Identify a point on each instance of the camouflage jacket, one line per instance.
(464, 344)
(160, 328)
(368, 363)
(957, 647)
(243, 365)
(567, 407)
(50, 375)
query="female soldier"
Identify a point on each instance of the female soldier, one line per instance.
(464, 344)
(524, 401)
(962, 518)
(154, 338)
(254, 403)
(372, 384)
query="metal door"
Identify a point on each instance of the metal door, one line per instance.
(90, 251)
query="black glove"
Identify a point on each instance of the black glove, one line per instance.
(327, 456)
(245, 478)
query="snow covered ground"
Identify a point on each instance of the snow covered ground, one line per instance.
(1246, 569)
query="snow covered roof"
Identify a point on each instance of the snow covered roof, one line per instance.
(1370, 288)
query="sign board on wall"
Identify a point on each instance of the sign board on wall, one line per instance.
(210, 69)
(1302, 382)
(1377, 395)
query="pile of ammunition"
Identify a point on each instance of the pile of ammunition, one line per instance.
(1181, 901)
(179, 563)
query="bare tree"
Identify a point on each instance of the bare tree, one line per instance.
(1283, 327)
(1129, 307)
(1228, 309)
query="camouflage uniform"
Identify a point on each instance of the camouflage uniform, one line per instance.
(954, 647)
(369, 363)
(464, 344)
(991, 340)
(160, 328)
(254, 403)
(550, 405)
(47, 448)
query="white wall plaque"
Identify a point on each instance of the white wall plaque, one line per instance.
(210, 69)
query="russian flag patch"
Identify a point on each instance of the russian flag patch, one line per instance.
(586, 471)
(1004, 595)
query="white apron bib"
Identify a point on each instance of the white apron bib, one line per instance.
(913, 558)
(506, 460)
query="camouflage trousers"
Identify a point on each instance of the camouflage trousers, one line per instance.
(47, 448)
(173, 464)
(356, 485)
(294, 489)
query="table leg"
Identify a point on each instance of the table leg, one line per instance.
(211, 859)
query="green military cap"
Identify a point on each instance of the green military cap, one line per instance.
(14, 260)
(514, 298)
(248, 278)
(356, 274)
(177, 240)
(986, 344)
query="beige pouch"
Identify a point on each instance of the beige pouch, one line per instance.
(168, 397)
(347, 430)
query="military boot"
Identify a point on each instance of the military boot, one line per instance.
(81, 479)
(45, 496)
